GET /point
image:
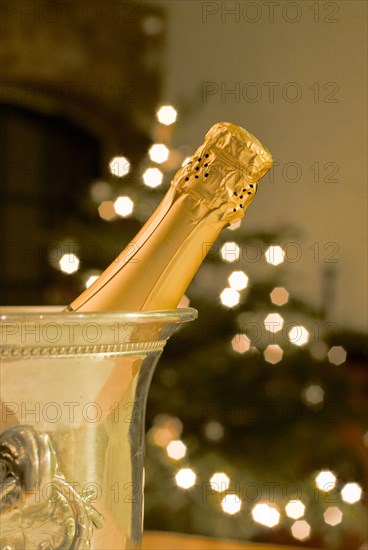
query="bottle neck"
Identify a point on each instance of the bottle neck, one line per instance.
(154, 271)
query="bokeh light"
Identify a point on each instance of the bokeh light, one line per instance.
(214, 431)
(106, 211)
(325, 480)
(337, 355)
(230, 252)
(313, 395)
(351, 493)
(279, 296)
(184, 301)
(298, 335)
(119, 166)
(152, 25)
(159, 153)
(91, 279)
(231, 504)
(123, 206)
(176, 449)
(275, 255)
(162, 436)
(273, 354)
(234, 226)
(229, 297)
(333, 515)
(273, 322)
(165, 429)
(238, 280)
(295, 509)
(100, 191)
(220, 482)
(69, 263)
(167, 115)
(185, 478)
(240, 343)
(301, 530)
(152, 177)
(318, 350)
(266, 515)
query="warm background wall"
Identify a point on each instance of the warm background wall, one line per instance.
(220, 57)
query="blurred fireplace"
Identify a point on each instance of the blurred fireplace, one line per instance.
(78, 87)
(46, 164)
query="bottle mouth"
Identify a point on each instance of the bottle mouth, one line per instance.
(242, 146)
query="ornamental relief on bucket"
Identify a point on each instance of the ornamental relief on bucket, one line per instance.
(64, 519)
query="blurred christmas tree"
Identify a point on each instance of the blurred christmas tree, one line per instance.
(260, 435)
(256, 414)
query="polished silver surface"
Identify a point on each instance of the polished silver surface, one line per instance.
(73, 398)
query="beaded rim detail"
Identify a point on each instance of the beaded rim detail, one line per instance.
(9, 352)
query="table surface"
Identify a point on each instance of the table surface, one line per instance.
(153, 540)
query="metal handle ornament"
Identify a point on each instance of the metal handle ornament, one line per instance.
(39, 508)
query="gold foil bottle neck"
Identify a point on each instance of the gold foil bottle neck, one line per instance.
(223, 172)
(209, 192)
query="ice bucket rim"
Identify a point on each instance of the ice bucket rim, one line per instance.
(32, 313)
(52, 332)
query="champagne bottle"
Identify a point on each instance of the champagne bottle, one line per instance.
(211, 191)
